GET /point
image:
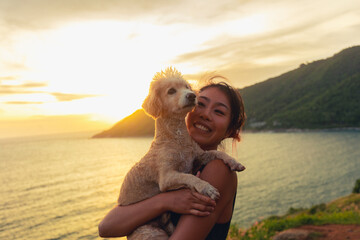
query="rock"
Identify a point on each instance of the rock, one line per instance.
(293, 234)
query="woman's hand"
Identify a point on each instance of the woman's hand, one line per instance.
(122, 220)
(185, 201)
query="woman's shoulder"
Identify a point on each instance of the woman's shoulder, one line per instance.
(217, 173)
(218, 165)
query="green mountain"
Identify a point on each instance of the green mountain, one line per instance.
(318, 95)
(321, 94)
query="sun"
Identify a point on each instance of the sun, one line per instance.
(106, 59)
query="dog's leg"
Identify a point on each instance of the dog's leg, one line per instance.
(166, 224)
(207, 156)
(170, 180)
(148, 232)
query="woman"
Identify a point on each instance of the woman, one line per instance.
(218, 115)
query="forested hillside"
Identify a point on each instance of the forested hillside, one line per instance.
(321, 94)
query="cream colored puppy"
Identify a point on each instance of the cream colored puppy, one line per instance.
(168, 163)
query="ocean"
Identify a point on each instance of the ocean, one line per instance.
(60, 187)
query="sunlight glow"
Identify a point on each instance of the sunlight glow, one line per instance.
(246, 26)
(105, 58)
(113, 61)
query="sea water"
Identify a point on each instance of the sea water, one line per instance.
(60, 187)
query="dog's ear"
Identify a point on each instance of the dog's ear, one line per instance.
(152, 103)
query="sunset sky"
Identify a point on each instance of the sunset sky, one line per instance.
(83, 65)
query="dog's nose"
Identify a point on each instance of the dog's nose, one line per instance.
(191, 97)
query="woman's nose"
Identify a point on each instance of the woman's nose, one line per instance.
(205, 114)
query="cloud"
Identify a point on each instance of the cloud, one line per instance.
(23, 103)
(282, 47)
(43, 14)
(39, 14)
(24, 85)
(62, 97)
(8, 78)
(27, 88)
(21, 88)
(14, 65)
(278, 40)
(5, 91)
(8, 90)
(33, 85)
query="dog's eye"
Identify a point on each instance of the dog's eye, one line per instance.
(171, 91)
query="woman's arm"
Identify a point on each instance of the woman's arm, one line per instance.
(123, 220)
(194, 227)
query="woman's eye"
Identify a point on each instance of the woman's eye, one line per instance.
(220, 112)
(171, 91)
(201, 104)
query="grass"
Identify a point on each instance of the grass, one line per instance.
(345, 210)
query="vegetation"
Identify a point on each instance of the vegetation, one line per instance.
(345, 210)
(322, 94)
(356, 188)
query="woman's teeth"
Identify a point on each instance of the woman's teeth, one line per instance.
(202, 127)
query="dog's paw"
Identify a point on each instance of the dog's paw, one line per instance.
(237, 167)
(234, 165)
(211, 191)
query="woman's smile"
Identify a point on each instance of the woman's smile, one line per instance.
(202, 127)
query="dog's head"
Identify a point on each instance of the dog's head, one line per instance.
(169, 95)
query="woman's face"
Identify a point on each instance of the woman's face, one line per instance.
(208, 123)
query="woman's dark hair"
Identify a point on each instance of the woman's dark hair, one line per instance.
(238, 117)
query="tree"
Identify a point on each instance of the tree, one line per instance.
(357, 187)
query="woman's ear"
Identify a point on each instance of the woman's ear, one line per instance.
(152, 103)
(234, 134)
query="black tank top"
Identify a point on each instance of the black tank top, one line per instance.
(219, 230)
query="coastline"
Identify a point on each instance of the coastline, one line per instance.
(300, 130)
